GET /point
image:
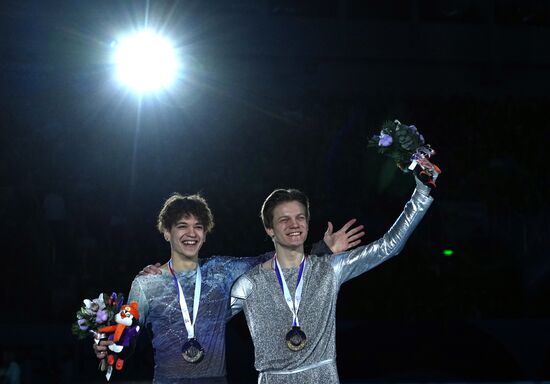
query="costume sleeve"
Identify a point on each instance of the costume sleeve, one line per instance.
(137, 294)
(240, 291)
(237, 266)
(320, 248)
(348, 265)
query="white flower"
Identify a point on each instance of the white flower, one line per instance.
(99, 301)
(92, 306)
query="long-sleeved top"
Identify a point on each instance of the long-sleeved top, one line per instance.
(159, 308)
(269, 318)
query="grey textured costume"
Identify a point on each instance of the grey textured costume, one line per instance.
(258, 293)
(159, 307)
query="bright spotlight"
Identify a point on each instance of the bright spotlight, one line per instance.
(146, 61)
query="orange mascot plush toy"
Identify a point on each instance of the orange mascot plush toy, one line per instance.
(123, 334)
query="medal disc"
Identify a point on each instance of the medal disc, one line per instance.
(192, 351)
(296, 339)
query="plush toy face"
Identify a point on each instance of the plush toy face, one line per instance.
(126, 315)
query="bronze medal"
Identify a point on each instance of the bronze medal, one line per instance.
(192, 351)
(296, 339)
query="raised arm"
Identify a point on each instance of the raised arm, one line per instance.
(348, 265)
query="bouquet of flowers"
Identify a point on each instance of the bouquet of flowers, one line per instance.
(407, 147)
(96, 313)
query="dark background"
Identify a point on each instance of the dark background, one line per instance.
(284, 94)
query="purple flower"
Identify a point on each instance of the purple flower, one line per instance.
(119, 302)
(82, 324)
(413, 128)
(101, 316)
(385, 140)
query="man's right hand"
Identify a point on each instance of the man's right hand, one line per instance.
(151, 270)
(101, 348)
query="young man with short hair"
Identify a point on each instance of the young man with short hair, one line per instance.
(186, 301)
(290, 301)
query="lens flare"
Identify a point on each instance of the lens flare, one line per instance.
(146, 62)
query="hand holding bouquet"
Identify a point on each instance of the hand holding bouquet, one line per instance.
(107, 315)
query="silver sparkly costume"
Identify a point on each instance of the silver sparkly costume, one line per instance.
(269, 318)
(159, 308)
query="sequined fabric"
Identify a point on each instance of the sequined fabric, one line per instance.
(159, 308)
(269, 318)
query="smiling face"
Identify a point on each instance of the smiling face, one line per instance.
(125, 316)
(290, 225)
(186, 237)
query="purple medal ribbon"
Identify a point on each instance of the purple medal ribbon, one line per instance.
(292, 304)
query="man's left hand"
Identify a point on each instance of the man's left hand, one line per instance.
(345, 238)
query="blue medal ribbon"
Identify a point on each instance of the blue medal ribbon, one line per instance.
(294, 305)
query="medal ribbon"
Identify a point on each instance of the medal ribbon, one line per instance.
(190, 326)
(294, 305)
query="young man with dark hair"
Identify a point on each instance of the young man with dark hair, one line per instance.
(186, 301)
(279, 196)
(177, 205)
(290, 301)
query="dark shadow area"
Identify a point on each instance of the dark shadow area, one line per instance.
(284, 94)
